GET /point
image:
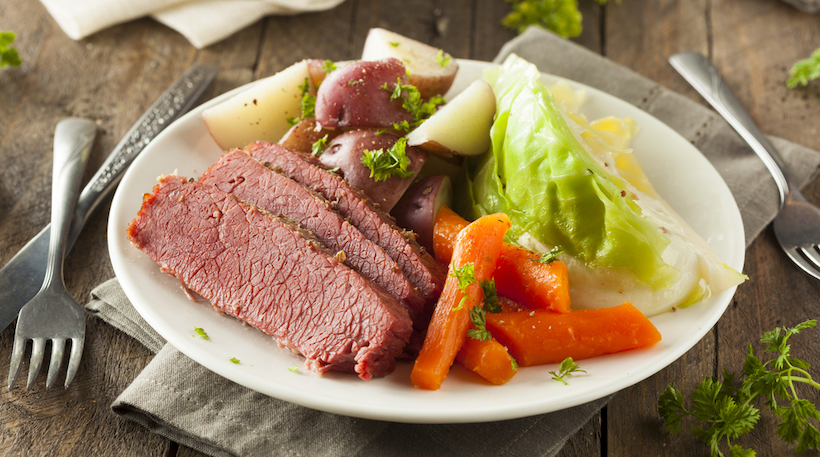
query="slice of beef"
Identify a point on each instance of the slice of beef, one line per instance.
(270, 273)
(241, 175)
(421, 269)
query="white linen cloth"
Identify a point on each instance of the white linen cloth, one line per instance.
(202, 22)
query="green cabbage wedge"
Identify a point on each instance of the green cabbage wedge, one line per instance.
(557, 194)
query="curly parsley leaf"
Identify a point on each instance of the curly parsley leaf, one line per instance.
(8, 53)
(412, 102)
(550, 256)
(491, 303)
(479, 318)
(386, 163)
(308, 102)
(234, 360)
(560, 16)
(805, 70)
(566, 368)
(725, 409)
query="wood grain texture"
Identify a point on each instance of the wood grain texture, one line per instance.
(114, 75)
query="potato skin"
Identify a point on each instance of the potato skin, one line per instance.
(352, 96)
(418, 207)
(346, 152)
(301, 136)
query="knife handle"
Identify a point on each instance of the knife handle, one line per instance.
(706, 79)
(176, 101)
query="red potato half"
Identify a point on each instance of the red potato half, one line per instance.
(261, 112)
(418, 207)
(353, 97)
(424, 62)
(462, 126)
(346, 152)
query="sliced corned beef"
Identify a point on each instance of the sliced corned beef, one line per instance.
(421, 269)
(268, 272)
(241, 175)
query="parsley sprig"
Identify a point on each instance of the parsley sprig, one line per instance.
(725, 409)
(412, 102)
(385, 163)
(566, 368)
(560, 16)
(805, 70)
(8, 53)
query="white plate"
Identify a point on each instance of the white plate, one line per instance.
(679, 172)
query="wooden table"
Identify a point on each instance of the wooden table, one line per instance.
(114, 75)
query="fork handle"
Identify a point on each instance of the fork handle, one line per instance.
(706, 79)
(73, 139)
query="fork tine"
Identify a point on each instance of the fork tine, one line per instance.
(57, 349)
(812, 254)
(802, 262)
(16, 358)
(37, 351)
(74, 360)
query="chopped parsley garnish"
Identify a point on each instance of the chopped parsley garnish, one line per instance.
(308, 103)
(550, 256)
(328, 66)
(442, 58)
(412, 102)
(293, 121)
(293, 369)
(384, 164)
(490, 296)
(201, 333)
(8, 53)
(725, 410)
(566, 368)
(395, 44)
(319, 146)
(234, 360)
(333, 170)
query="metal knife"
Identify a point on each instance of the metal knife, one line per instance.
(21, 278)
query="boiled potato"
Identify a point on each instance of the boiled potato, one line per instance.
(260, 112)
(353, 97)
(418, 207)
(460, 127)
(301, 136)
(346, 152)
(431, 70)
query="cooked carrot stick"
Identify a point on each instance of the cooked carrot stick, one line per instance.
(488, 359)
(518, 275)
(541, 336)
(478, 244)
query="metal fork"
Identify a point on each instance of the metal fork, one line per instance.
(53, 314)
(797, 225)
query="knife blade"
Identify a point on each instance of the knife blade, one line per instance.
(22, 276)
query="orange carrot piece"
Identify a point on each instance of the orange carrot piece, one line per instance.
(517, 276)
(541, 337)
(479, 244)
(488, 359)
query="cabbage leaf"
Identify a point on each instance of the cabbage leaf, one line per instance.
(540, 175)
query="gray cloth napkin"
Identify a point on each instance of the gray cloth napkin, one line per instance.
(179, 399)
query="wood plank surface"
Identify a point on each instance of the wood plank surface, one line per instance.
(114, 75)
